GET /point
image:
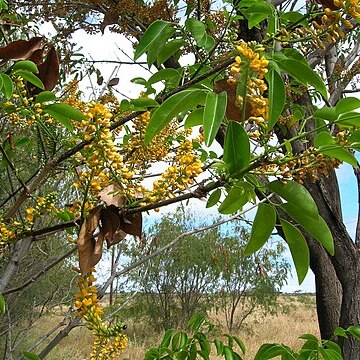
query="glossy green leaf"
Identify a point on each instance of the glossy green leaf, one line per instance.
(304, 74)
(269, 351)
(45, 96)
(339, 331)
(207, 42)
(240, 344)
(298, 248)
(276, 96)
(196, 28)
(172, 107)
(214, 112)
(195, 118)
(228, 353)
(327, 145)
(195, 322)
(64, 113)
(264, 223)
(213, 198)
(236, 147)
(166, 75)
(7, 86)
(26, 65)
(317, 227)
(236, 198)
(151, 37)
(354, 331)
(347, 104)
(256, 13)
(2, 305)
(326, 113)
(297, 195)
(169, 49)
(31, 356)
(349, 119)
(330, 354)
(219, 347)
(144, 103)
(30, 77)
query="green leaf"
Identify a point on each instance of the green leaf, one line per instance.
(330, 354)
(65, 110)
(214, 112)
(304, 74)
(317, 227)
(213, 198)
(7, 86)
(195, 118)
(236, 147)
(170, 76)
(269, 351)
(65, 215)
(297, 195)
(354, 331)
(326, 113)
(45, 96)
(264, 223)
(26, 65)
(170, 108)
(298, 248)
(327, 145)
(347, 104)
(219, 347)
(207, 42)
(2, 305)
(64, 113)
(339, 331)
(349, 119)
(169, 49)
(237, 197)
(256, 13)
(195, 322)
(276, 96)
(30, 356)
(144, 103)
(151, 36)
(228, 353)
(196, 28)
(30, 77)
(240, 344)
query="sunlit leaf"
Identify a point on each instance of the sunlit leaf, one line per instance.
(264, 223)
(347, 104)
(45, 96)
(316, 226)
(297, 195)
(172, 107)
(236, 147)
(26, 65)
(150, 37)
(2, 305)
(7, 85)
(214, 112)
(30, 77)
(195, 118)
(276, 96)
(298, 248)
(169, 49)
(30, 356)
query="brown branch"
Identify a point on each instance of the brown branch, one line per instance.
(357, 233)
(40, 273)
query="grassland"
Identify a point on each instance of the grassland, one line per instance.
(298, 316)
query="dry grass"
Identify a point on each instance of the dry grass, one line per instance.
(285, 328)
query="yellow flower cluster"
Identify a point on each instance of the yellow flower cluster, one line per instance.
(109, 342)
(179, 175)
(7, 233)
(101, 159)
(253, 65)
(352, 8)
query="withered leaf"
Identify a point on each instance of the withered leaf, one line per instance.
(49, 70)
(21, 49)
(37, 56)
(113, 82)
(110, 225)
(111, 196)
(86, 242)
(132, 224)
(232, 111)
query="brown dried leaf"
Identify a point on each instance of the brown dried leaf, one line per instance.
(132, 224)
(232, 111)
(86, 242)
(113, 82)
(49, 70)
(21, 49)
(110, 196)
(37, 56)
(110, 223)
